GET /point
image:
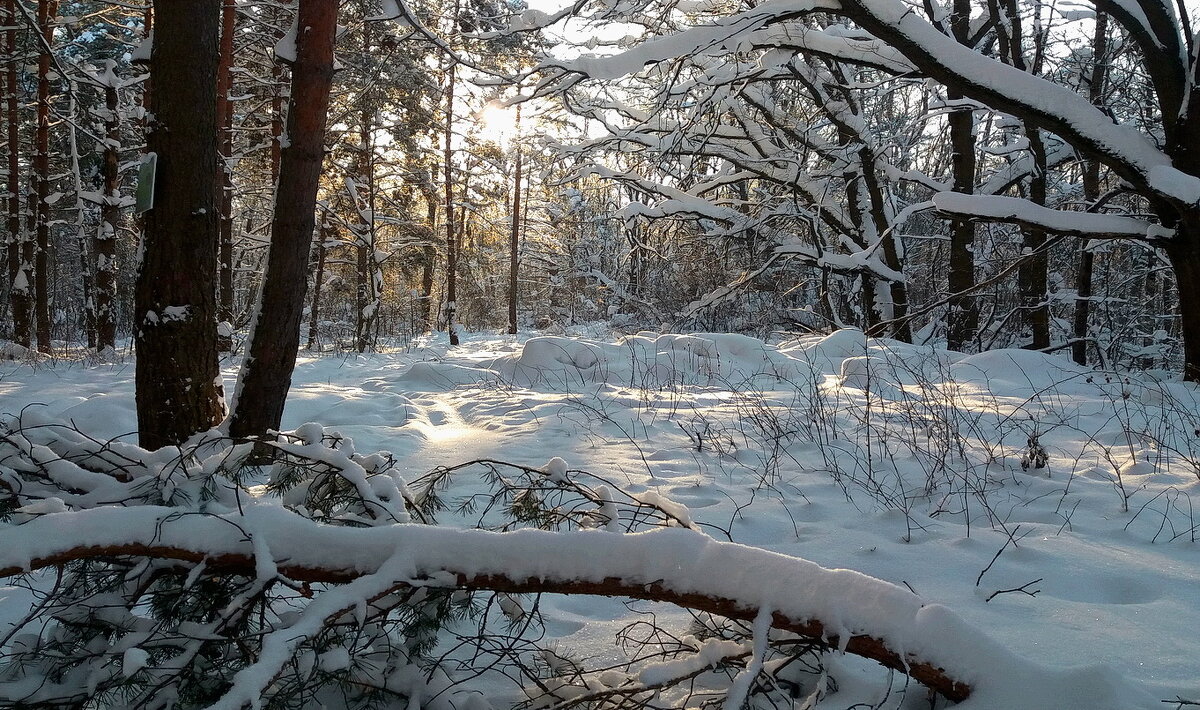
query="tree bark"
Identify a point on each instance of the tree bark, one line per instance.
(1091, 192)
(271, 357)
(148, 82)
(314, 318)
(1032, 273)
(448, 177)
(962, 320)
(515, 236)
(20, 267)
(893, 247)
(1031, 277)
(224, 172)
(47, 10)
(277, 83)
(367, 294)
(105, 244)
(178, 383)
(1185, 261)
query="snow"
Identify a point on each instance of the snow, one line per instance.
(831, 462)
(135, 659)
(1013, 209)
(285, 48)
(718, 37)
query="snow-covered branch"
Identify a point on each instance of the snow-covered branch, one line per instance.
(1014, 210)
(1126, 150)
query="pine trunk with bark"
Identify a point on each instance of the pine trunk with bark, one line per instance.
(20, 267)
(451, 235)
(47, 10)
(428, 251)
(178, 384)
(275, 334)
(514, 239)
(369, 284)
(104, 247)
(314, 317)
(224, 171)
(277, 87)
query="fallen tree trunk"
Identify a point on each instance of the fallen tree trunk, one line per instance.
(841, 609)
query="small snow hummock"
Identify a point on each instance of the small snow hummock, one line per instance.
(556, 470)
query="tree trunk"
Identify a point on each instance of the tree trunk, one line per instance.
(178, 381)
(893, 247)
(1184, 256)
(1031, 276)
(368, 285)
(277, 102)
(47, 10)
(962, 321)
(1091, 192)
(515, 236)
(314, 318)
(87, 281)
(362, 296)
(224, 171)
(148, 82)
(271, 357)
(105, 244)
(20, 269)
(448, 177)
(428, 262)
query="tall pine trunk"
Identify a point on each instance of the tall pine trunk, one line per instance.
(267, 370)
(370, 281)
(277, 84)
(20, 268)
(448, 178)
(224, 170)
(47, 10)
(514, 239)
(428, 251)
(178, 381)
(314, 317)
(104, 247)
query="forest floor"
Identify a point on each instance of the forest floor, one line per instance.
(1050, 505)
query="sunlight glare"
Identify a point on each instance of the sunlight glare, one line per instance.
(497, 122)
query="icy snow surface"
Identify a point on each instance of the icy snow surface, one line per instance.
(908, 464)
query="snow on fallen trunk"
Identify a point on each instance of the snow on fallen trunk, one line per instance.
(847, 609)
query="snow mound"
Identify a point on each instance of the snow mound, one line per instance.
(1017, 371)
(826, 354)
(642, 360)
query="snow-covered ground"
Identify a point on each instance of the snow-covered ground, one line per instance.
(1046, 504)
